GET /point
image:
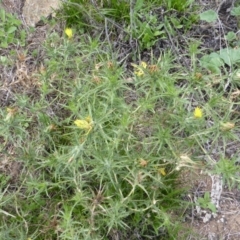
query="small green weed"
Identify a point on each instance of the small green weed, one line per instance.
(9, 30)
(85, 15)
(147, 31)
(235, 11)
(206, 203)
(139, 22)
(178, 5)
(229, 171)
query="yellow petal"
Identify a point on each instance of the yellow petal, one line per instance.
(198, 112)
(162, 171)
(139, 69)
(143, 64)
(88, 119)
(139, 72)
(69, 32)
(83, 124)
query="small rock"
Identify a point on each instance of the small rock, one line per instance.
(34, 10)
(207, 217)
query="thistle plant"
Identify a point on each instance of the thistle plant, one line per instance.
(93, 142)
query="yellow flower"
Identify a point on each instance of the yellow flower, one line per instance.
(143, 65)
(85, 124)
(162, 171)
(198, 112)
(69, 32)
(139, 72)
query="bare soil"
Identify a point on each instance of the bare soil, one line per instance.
(225, 224)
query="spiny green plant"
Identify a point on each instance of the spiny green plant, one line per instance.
(90, 169)
(101, 146)
(228, 169)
